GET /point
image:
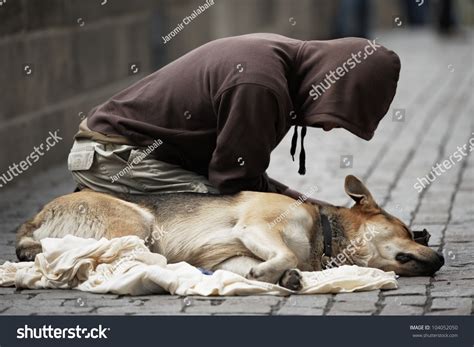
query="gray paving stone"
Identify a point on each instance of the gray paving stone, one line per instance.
(240, 305)
(45, 311)
(90, 302)
(401, 310)
(451, 289)
(407, 289)
(359, 306)
(412, 300)
(71, 294)
(357, 296)
(299, 311)
(460, 233)
(308, 300)
(304, 305)
(462, 311)
(7, 290)
(451, 303)
(348, 313)
(403, 281)
(452, 273)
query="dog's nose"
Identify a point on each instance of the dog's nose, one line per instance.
(438, 262)
(441, 258)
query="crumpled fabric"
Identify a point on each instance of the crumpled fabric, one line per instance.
(126, 266)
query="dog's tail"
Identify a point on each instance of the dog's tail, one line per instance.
(26, 246)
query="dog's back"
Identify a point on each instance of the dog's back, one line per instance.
(153, 218)
(85, 214)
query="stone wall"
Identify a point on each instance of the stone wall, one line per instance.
(58, 59)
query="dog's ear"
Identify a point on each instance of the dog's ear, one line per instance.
(358, 192)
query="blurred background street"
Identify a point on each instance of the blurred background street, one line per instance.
(58, 59)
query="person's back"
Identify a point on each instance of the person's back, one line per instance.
(180, 103)
(221, 109)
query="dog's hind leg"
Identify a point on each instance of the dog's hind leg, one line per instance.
(86, 215)
(240, 265)
(269, 246)
(26, 246)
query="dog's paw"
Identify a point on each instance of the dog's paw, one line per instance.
(28, 253)
(292, 280)
(255, 274)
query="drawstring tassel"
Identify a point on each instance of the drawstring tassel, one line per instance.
(302, 169)
(294, 139)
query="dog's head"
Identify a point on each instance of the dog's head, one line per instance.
(385, 242)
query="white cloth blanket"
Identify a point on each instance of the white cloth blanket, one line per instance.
(126, 266)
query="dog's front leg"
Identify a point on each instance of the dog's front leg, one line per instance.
(269, 246)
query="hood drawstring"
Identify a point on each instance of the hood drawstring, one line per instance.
(302, 169)
(293, 143)
(294, 140)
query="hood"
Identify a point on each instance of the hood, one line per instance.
(347, 82)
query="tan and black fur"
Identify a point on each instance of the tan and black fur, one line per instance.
(237, 232)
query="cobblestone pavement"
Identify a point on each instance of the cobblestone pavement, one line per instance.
(435, 116)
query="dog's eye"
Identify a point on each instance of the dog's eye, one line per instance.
(403, 257)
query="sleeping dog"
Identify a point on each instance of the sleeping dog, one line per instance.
(263, 236)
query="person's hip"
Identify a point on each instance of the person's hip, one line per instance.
(119, 168)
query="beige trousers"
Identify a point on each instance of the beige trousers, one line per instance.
(115, 168)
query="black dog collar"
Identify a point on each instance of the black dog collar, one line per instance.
(327, 235)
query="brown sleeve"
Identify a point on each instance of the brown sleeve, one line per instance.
(248, 125)
(278, 187)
